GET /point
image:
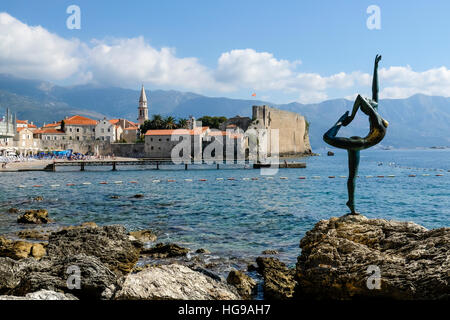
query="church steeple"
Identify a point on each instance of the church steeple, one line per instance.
(143, 97)
(142, 110)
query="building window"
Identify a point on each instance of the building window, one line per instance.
(70, 129)
(167, 139)
(78, 138)
(151, 139)
(78, 129)
(151, 148)
(159, 139)
(109, 130)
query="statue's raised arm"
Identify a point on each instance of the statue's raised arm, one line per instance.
(375, 87)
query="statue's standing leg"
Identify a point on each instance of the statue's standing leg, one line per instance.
(353, 163)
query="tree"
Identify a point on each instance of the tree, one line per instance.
(182, 123)
(212, 122)
(169, 123)
(155, 123)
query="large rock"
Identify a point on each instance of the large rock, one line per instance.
(279, 282)
(174, 282)
(144, 235)
(37, 216)
(41, 295)
(110, 244)
(20, 249)
(341, 258)
(169, 250)
(19, 278)
(243, 283)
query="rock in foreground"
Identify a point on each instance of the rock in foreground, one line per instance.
(110, 244)
(341, 256)
(279, 282)
(20, 249)
(41, 295)
(243, 283)
(171, 282)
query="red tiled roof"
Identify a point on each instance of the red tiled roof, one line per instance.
(52, 125)
(114, 121)
(49, 131)
(80, 121)
(22, 121)
(131, 128)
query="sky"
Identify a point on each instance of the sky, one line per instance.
(277, 51)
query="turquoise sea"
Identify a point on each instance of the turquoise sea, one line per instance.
(242, 217)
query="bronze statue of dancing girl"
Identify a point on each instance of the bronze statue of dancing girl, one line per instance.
(353, 145)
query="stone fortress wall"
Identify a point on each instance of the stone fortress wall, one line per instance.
(293, 129)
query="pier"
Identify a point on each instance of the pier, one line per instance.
(156, 163)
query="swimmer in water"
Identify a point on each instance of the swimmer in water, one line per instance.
(353, 145)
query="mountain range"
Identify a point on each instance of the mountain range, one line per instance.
(417, 121)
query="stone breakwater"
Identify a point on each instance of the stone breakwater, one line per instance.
(412, 263)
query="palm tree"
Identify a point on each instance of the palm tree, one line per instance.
(157, 121)
(169, 123)
(182, 123)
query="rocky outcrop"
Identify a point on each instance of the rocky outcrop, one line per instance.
(356, 257)
(279, 282)
(20, 249)
(37, 216)
(144, 235)
(243, 283)
(161, 250)
(173, 282)
(18, 278)
(41, 295)
(110, 244)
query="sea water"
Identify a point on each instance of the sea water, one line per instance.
(242, 217)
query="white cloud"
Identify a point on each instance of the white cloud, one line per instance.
(257, 70)
(402, 82)
(34, 52)
(125, 61)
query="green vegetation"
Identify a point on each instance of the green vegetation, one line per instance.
(159, 122)
(212, 122)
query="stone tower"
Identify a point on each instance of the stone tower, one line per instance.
(143, 110)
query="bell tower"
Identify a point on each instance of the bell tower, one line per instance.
(142, 110)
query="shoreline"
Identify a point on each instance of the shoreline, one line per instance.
(134, 262)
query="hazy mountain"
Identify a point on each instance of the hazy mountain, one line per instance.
(417, 121)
